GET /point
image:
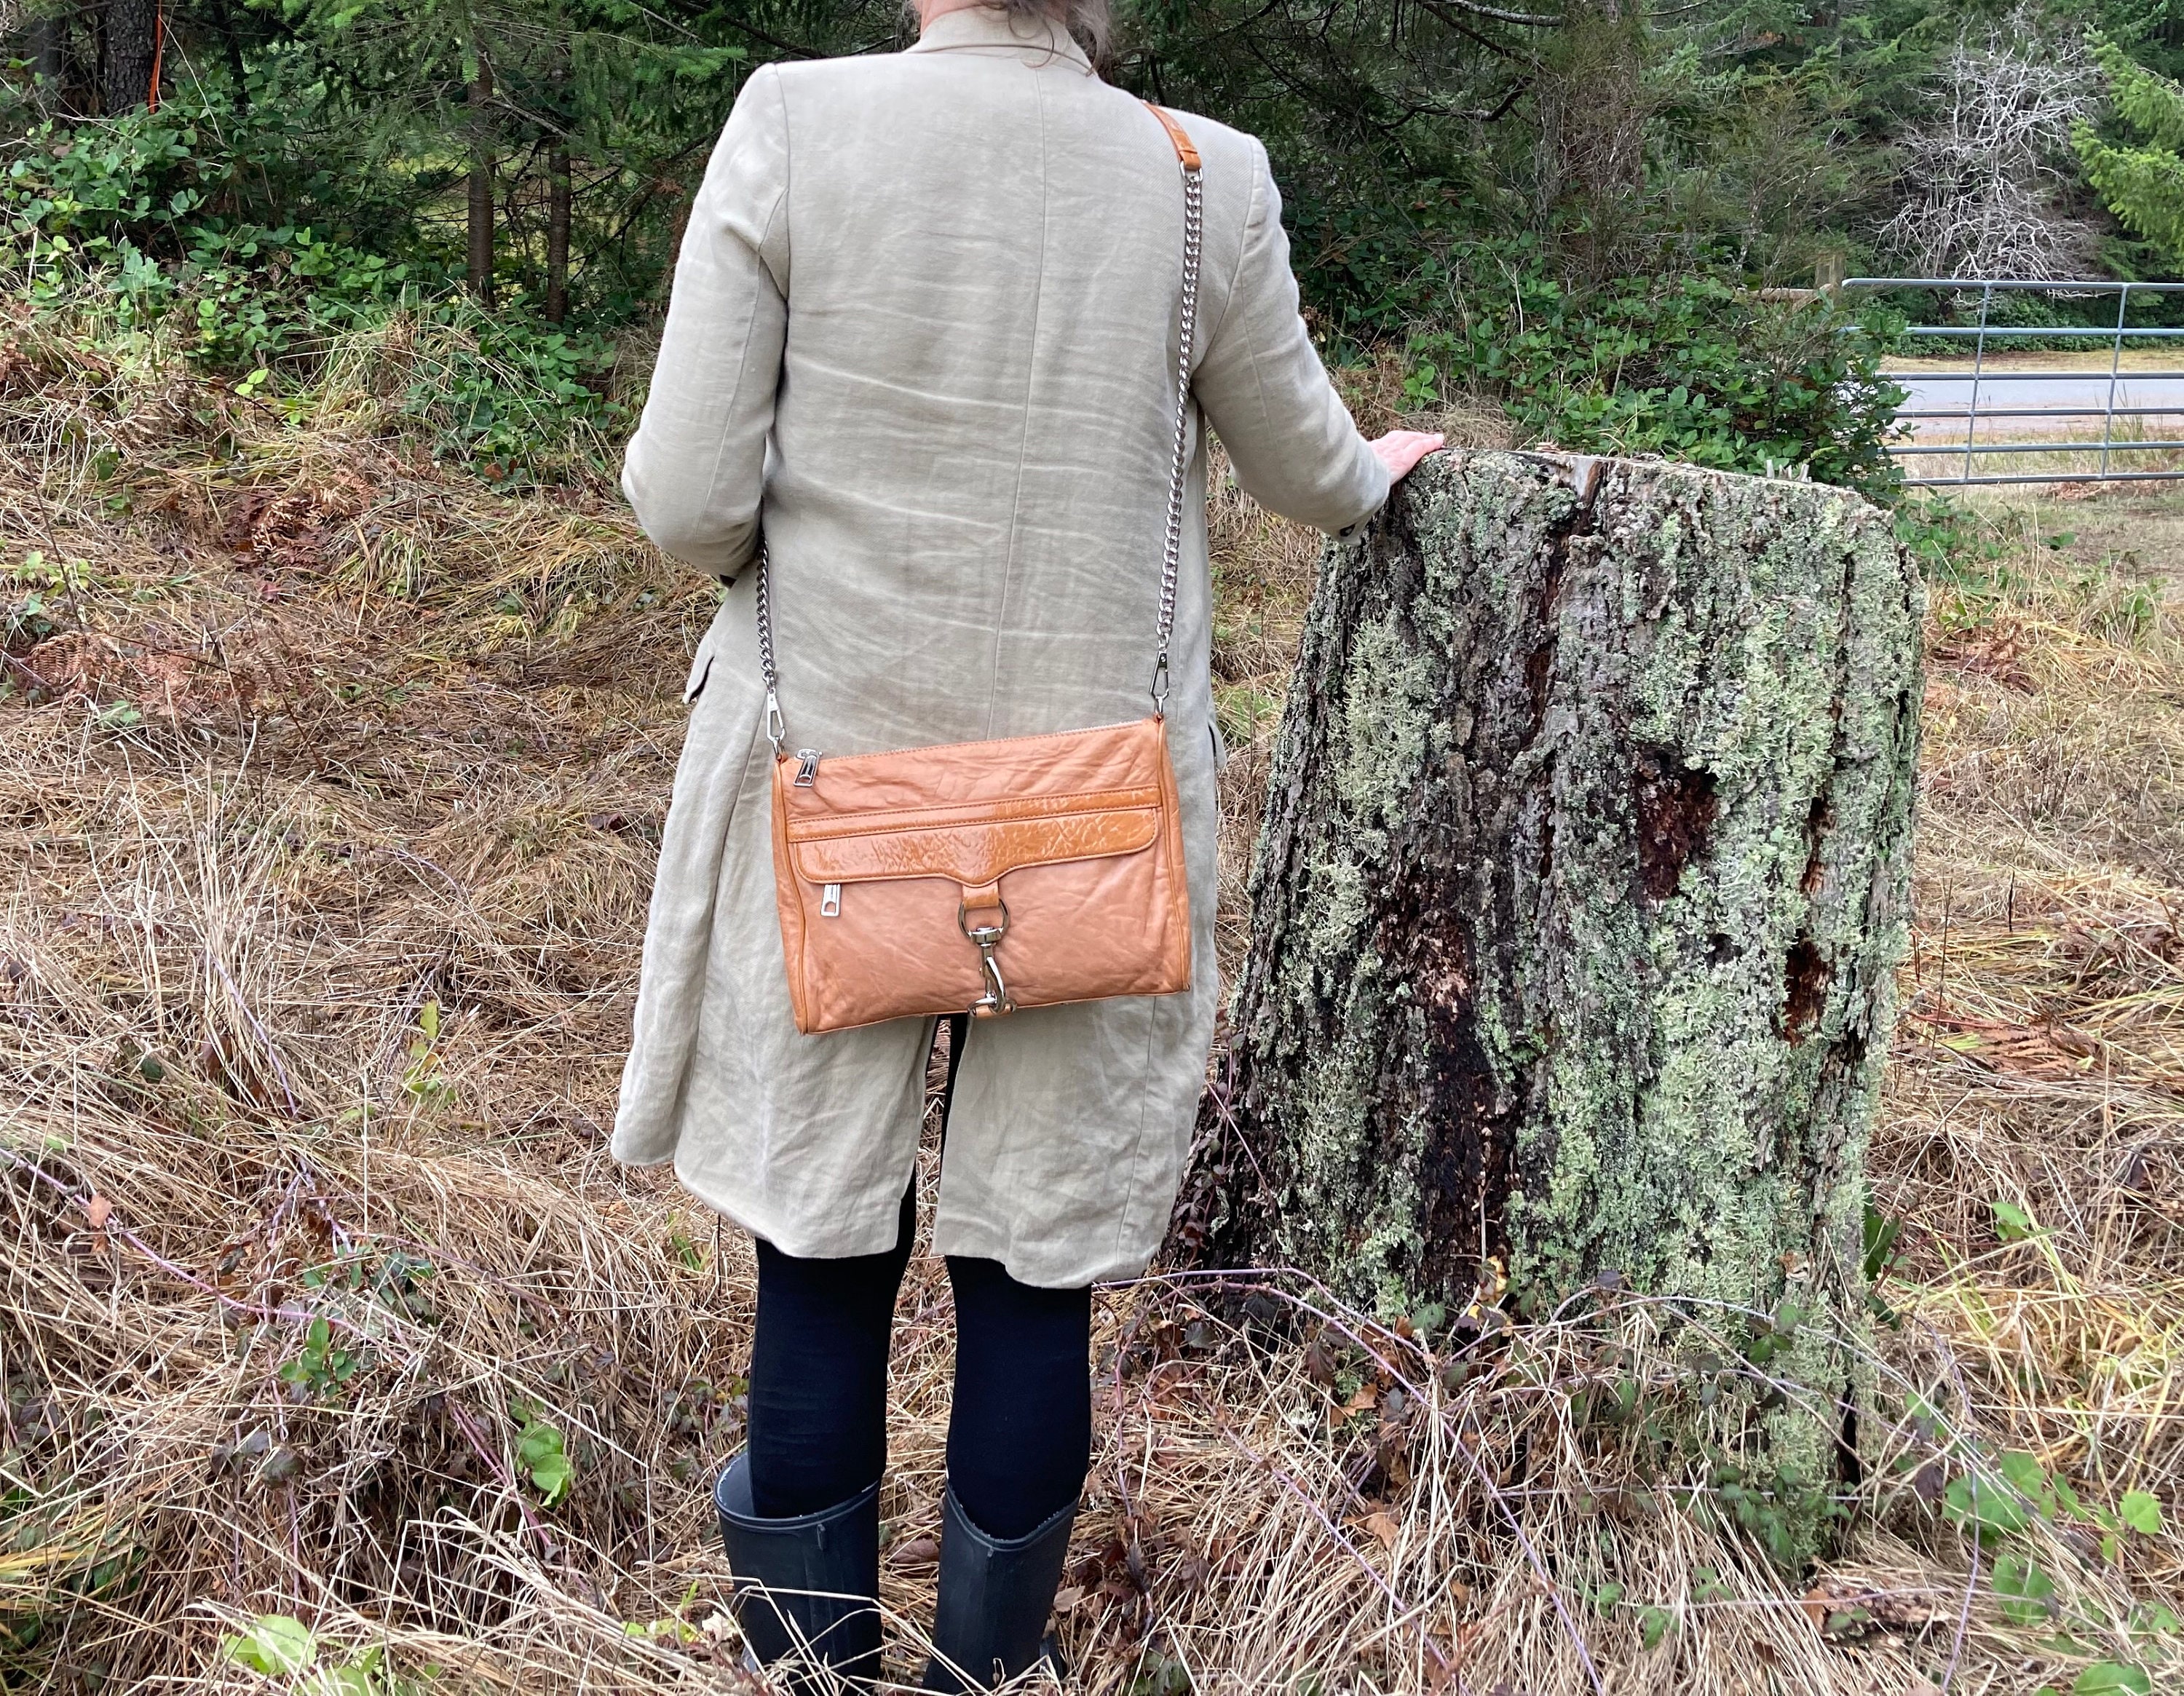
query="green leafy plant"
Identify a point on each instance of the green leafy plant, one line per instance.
(2154, 1620)
(281, 1647)
(1157, 1675)
(1882, 1258)
(2111, 1678)
(321, 1366)
(542, 1456)
(2027, 1593)
(274, 1645)
(1686, 368)
(423, 1076)
(2012, 1223)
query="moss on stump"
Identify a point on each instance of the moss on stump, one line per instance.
(1583, 875)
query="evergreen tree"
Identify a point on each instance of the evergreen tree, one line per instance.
(2141, 182)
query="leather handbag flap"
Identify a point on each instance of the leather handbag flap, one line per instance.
(974, 846)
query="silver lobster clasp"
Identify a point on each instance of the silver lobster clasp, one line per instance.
(987, 937)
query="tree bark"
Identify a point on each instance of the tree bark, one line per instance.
(49, 59)
(1582, 879)
(129, 43)
(557, 233)
(482, 204)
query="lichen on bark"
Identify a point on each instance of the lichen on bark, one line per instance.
(1581, 883)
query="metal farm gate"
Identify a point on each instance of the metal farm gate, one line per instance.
(2020, 402)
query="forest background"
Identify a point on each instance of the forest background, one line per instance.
(1565, 214)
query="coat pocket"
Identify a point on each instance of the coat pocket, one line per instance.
(700, 665)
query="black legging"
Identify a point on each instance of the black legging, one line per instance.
(1019, 1432)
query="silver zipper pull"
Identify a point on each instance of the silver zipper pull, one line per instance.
(807, 767)
(830, 902)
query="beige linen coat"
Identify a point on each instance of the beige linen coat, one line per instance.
(922, 328)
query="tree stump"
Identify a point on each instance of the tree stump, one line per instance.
(1583, 875)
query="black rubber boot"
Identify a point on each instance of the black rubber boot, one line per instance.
(995, 1599)
(804, 1587)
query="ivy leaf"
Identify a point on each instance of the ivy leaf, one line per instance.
(1984, 1506)
(2155, 1618)
(274, 1645)
(540, 1453)
(2011, 1224)
(2030, 1479)
(2027, 1593)
(2111, 1678)
(2141, 1512)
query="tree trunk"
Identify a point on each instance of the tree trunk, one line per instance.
(223, 19)
(130, 44)
(557, 233)
(482, 207)
(1583, 875)
(49, 59)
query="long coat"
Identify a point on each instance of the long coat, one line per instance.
(923, 329)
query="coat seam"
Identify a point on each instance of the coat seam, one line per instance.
(1023, 439)
(750, 325)
(1243, 244)
(712, 908)
(1144, 1107)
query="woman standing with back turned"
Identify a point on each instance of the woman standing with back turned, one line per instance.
(922, 348)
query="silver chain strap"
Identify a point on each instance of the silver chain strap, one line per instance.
(777, 732)
(1193, 221)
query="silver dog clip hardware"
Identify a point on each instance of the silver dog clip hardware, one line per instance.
(830, 902)
(807, 767)
(988, 937)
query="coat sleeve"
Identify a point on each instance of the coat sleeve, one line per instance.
(696, 467)
(1263, 386)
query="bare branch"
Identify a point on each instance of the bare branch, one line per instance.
(1984, 168)
(1533, 21)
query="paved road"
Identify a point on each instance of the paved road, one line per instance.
(2002, 391)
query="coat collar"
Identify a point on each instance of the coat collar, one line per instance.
(987, 28)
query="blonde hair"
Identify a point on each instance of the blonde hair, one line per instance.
(1092, 22)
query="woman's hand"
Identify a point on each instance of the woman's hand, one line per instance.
(1401, 450)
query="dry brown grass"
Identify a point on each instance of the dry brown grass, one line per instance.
(327, 818)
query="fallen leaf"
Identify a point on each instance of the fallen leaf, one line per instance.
(1816, 1606)
(1382, 1525)
(98, 1209)
(1365, 1401)
(1066, 1598)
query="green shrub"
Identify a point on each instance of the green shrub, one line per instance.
(1687, 368)
(128, 228)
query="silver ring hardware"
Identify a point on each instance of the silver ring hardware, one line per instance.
(987, 937)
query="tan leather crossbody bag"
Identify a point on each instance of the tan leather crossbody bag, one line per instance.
(991, 876)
